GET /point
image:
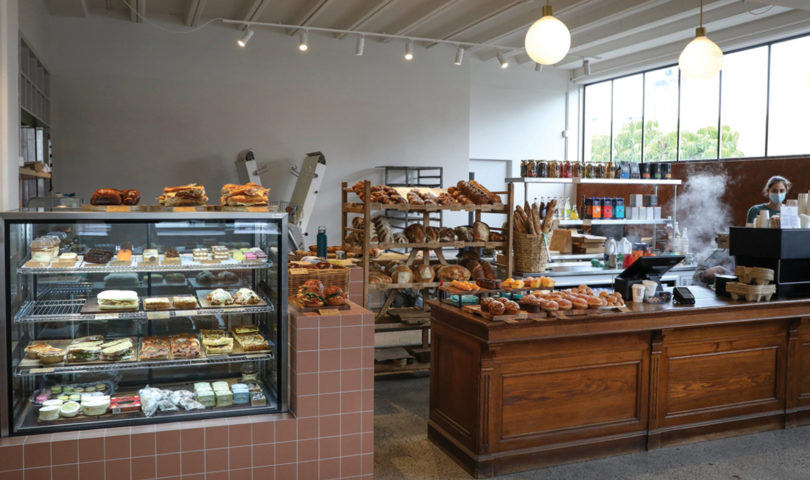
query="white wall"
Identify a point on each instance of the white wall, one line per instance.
(137, 107)
(518, 114)
(9, 105)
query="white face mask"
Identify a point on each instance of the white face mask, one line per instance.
(777, 198)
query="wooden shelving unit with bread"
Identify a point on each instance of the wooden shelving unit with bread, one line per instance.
(425, 267)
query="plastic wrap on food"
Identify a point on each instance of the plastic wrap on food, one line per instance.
(185, 399)
(150, 398)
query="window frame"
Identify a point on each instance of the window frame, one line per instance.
(678, 121)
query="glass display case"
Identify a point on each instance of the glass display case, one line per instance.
(116, 319)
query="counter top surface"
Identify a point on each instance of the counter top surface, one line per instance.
(708, 310)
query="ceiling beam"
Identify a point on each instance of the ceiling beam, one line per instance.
(655, 33)
(67, 8)
(441, 8)
(479, 20)
(254, 13)
(764, 30)
(316, 9)
(137, 10)
(194, 12)
(797, 4)
(378, 8)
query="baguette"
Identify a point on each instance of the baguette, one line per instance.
(536, 217)
(552, 205)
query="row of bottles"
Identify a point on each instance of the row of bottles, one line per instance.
(567, 169)
(563, 211)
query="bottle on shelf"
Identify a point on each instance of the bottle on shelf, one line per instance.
(321, 242)
(574, 213)
(566, 210)
(685, 247)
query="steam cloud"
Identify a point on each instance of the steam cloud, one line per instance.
(702, 210)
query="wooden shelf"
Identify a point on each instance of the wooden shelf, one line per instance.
(487, 245)
(393, 369)
(406, 207)
(30, 173)
(608, 181)
(597, 221)
(399, 286)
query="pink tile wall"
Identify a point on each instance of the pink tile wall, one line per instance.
(356, 285)
(329, 432)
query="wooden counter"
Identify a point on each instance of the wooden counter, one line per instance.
(511, 397)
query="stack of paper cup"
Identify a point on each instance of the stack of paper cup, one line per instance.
(763, 220)
(804, 220)
(803, 204)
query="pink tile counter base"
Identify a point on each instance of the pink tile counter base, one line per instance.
(329, 432)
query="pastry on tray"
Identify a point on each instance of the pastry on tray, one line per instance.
(154, 348)
(219, 297)
(246, 296)
(156, 303)
(185, 346)
(184, 301)
(192, 194)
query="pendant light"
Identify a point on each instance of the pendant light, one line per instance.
(548, 39)
(702, 58)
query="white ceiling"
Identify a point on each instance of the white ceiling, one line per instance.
(618, 36)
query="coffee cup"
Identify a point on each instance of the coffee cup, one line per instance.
(651, 287)
(638, 293)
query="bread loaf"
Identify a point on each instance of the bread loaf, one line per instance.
(424, 273)
(378, 278)
(446, 235)
(431, 234)
(480, 232)
(449, 273)
(463, 234)
(415, 233)
(402, 274)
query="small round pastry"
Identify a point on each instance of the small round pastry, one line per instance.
(496, 308)
(486, 301)
(511, 307)
(530, 300)
(502, 299)
(594, 301)
(551, 306)
(564, 304)
(579, 303)
(603, 294)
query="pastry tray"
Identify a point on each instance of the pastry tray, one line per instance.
(203, 294)
(63, 343)
(91, 306)
(170, 356)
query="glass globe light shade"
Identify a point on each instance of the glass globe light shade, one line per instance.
(701, 59)
(548, 39)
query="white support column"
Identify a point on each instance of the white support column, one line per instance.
(9, 105)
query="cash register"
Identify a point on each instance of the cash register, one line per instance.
(644, 268)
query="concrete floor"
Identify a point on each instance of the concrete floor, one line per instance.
(402, 451)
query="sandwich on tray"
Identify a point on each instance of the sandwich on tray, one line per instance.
(117, 350)
(249, 194)
(192, 195)
(117, 300)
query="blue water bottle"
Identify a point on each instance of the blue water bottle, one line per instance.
(322, 241)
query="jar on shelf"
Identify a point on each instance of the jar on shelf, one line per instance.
(542, 169)
(566, 169)
(587, 211)
(644, 170)
(524, 164)
(607, 208)
(655, 171)
(608, 170)
(576, 169)
(666, 171)
(531, 169)
(600, 171)
(617, 170)
(557, 169)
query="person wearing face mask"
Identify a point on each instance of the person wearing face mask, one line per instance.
(775, 189)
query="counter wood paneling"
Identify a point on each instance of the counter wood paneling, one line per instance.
(511, 397)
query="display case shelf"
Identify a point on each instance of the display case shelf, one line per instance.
(70, 311)
(185, 267)
(106, 367)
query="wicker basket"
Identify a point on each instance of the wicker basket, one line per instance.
(337, 276)
(531, 255)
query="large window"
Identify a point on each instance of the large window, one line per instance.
(660, 116)
(790, 98)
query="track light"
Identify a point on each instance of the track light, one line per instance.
(502, 61)
(303, 41)
(409, 50)
(361, 46)
(459, 55)
(586, 67)
(242, 42)
(538, 67)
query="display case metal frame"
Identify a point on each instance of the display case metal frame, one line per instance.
(40, 216)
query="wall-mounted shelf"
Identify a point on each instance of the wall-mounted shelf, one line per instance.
(596, 221)
(31, 173)
(604, 181)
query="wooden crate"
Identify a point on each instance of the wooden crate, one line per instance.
(336, 276)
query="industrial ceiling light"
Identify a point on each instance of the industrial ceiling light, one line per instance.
(459, 55)
(702, 58)
(303, 41)
(361, 46)
(409, 50)
(586, 67)
(502, 61)
(242, 42)
(548, 39)
(538, 67)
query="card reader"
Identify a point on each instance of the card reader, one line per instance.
(683, 295)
